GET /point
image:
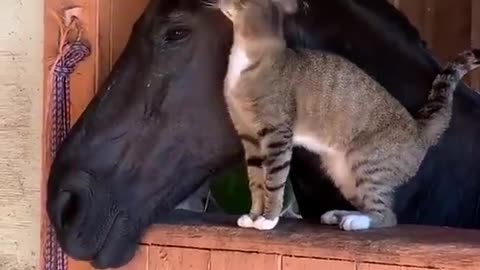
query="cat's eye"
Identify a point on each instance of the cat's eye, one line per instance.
(176, 34)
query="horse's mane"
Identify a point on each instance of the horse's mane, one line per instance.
(382, 9)
(391, 14)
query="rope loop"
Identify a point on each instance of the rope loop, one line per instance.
(73, 54)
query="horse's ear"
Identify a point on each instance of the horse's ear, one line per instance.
(287, 6)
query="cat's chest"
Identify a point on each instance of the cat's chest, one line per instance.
(238, 62)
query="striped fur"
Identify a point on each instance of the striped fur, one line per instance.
(435, 115)
(368, 143)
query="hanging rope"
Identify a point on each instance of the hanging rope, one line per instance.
(70, 54)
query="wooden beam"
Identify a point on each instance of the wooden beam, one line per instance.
(415, 246)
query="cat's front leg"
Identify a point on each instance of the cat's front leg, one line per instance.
(276, 145)
(254, 161)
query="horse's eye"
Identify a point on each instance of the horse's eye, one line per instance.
(176, 34)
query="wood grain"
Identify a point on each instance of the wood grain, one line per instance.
(224, 260)
(404, 245)
(172, 258)
(292, 263)
(370, 266)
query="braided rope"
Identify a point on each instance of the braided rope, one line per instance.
(74, 53)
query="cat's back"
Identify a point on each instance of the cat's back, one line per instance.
(336, 80)
(331, 88)
(332, 70)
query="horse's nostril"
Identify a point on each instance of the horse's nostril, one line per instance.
(69, 206)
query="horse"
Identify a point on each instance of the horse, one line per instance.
(158, 128)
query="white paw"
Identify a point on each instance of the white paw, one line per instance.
(355, 222)
(264, 224)
(330, 218)
(245, 221)
(334, 217)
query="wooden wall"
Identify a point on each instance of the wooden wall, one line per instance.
(448, 26)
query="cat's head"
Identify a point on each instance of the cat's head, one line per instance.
(257, 17)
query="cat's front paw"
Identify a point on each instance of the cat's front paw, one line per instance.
(355, 222)
(264, 224)
(245, 221)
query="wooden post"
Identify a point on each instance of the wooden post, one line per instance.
(210, 241)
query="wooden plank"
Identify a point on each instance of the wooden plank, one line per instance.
(371, 266)
(223, 260)
(292, 263)
(434, 247)
(451, 27)
(171, 258)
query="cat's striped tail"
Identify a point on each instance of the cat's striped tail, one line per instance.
(434, 117)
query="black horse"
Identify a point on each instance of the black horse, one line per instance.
(158, 129)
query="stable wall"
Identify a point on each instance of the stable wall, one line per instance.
(21, 45)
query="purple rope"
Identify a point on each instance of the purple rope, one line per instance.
(55, 258)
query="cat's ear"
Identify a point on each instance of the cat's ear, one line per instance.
(287, 6)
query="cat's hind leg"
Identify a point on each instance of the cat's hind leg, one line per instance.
(374, 202)
(334, 217)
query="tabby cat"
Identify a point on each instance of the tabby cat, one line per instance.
(368, 143)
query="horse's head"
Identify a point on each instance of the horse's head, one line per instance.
(149, 138)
